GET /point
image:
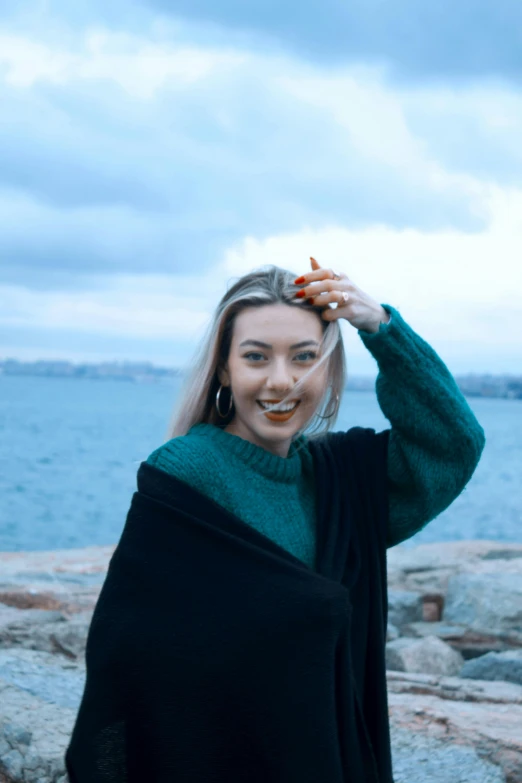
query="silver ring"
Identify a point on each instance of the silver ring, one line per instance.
(346, 296)
(336, 275)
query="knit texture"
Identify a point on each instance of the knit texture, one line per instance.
(434, 447)
(276, 495)
(435, 440)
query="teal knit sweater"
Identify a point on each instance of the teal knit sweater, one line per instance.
(434, 446)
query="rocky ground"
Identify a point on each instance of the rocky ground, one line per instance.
(454, 659)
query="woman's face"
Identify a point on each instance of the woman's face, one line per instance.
(272, 347)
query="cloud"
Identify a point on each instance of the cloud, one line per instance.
(476, 129)
(461, 291)
(45, 247)
(415, 41)
(458, 290)
(144, 162)
(144, 306)
(138, 66)
(206, 147)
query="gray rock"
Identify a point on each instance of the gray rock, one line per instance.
(428, 655)
(474, 720)
(488, 603)
(50, 678)
(427, 760)
(404, 606)
(470, 644)
(444, 631)
(39, 697)
(70, 638)
(50, 727)
(506, 666)
(485, 716)
(12, 764)
(392, 633)
(45, 630)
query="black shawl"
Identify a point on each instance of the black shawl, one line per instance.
(216, 656)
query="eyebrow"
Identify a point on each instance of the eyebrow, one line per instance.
(259, 344)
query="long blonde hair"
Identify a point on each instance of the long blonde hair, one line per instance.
(263, 286)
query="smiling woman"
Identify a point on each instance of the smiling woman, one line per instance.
(264, 383)
(241, 629)
(262, 311)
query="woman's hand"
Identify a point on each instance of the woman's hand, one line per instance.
(359, 309)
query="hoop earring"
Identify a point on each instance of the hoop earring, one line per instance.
(223, 415)
(332, 413)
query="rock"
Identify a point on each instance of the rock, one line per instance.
(52, 565)
(67, 580)
(424, 759)
(443, 728)
(470, 644)
(70, 638)
(39, 698)
(429, 655)
(428, 568)
(404, 606)
(489, 603)
(442, 630)
(392, 633)
(506, 666)
(41, 760)
(484, 716)
(432, 607)
(455, 688)
(13, 620)
(51, 678)
(49, 631)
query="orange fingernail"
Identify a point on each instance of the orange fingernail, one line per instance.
(300, 294)
(299, 280)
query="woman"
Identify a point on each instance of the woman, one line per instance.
(240, 632)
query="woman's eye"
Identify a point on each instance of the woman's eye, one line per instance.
(303, 356)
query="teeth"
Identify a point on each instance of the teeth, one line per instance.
(281, 408)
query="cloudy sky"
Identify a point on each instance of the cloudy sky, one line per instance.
(151, 152)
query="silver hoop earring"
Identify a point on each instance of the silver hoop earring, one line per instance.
(223, 415)
(332, 413)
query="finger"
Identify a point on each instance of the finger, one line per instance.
(318, 274)
(331, 314)
(335, 274)
(324, 286)
(342, 298)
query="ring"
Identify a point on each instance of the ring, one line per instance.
(345, 296)
(336, 275)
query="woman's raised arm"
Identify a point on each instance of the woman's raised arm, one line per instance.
(435, 439)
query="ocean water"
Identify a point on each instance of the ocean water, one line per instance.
(70, 450)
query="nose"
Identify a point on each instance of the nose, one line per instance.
(280, 377)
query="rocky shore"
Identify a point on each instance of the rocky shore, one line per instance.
(454, 659)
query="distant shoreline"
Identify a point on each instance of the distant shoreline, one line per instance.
(485, 385)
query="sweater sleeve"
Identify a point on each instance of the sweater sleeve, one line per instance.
(435, 440)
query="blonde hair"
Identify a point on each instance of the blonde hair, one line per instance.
(263, 286)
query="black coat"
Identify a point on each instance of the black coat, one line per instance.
(216, 656)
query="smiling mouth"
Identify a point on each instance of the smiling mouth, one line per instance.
(278, 415)
(288, 407)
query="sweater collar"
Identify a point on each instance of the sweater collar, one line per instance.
(285, 469)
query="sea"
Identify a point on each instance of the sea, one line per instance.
(70, 450)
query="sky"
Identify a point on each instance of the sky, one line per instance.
(152, 152)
